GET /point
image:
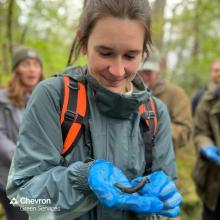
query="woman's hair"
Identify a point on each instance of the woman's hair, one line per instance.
(16, 89)
(93, 10)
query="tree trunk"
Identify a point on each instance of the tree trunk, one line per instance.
(196, 27)
(9, 27)
(1, 40)
(158, 22)
(3, 43)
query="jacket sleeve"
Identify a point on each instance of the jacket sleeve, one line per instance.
(202, 133)
(181, 118)
(38, 171)
(163, 152)
(7, 146)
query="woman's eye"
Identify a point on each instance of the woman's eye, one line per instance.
(129, 56)
(105, 54)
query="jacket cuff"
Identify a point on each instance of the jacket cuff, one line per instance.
(81, 180)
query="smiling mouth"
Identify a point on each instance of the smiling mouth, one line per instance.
(112, 81)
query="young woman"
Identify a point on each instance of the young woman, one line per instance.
(113, 34)
(27, 73)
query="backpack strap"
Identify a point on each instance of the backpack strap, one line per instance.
(73, 112)
(149, 126)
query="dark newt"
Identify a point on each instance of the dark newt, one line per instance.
(133, 189)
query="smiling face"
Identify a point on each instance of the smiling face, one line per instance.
(114, 51)
(30, 72)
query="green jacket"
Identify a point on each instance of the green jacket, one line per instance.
(179, 108)
(207, 133)
(39, 171)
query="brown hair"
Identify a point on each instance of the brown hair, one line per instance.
(16, 90)
(93, 10)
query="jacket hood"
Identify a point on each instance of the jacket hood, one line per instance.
(117, 105)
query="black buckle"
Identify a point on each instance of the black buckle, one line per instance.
(73, 85)
(73, 116)
(148, 115)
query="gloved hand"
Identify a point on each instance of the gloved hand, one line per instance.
(161, 186)
(101, 179)
(210, 153)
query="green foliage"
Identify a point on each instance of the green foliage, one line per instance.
(46, 25)
(195, 36)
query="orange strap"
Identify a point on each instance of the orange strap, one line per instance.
(143, 108)
(81, 107)
(153, 107)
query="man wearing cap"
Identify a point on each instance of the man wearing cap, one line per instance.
(173, 96)
(26, 74)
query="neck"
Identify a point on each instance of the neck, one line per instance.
(129, 89)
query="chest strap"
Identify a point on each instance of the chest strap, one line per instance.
(73, 112)
(148, 126)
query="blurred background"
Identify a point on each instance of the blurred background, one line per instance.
(185, 31)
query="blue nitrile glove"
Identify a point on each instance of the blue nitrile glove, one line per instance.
(101, 179)
(210, 153)
(163, 187)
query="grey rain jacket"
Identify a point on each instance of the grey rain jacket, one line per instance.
(10, 120)
(39, 171)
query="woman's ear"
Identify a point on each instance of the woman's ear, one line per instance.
(83, 48)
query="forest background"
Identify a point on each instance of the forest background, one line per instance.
(185, 31)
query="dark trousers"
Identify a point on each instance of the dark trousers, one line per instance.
(11, 212)
(211, 215)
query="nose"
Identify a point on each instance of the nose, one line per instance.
(33, 68)
(117, 68)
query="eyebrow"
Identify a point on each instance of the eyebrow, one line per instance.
(102, 47)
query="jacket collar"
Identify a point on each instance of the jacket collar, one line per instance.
(117, 105)
(213, 92)
(213, 95)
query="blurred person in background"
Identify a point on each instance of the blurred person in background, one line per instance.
(27, 73)
(206, 137)
(215, 80)
(173, 96)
